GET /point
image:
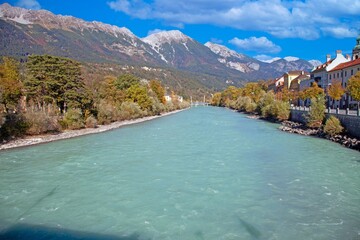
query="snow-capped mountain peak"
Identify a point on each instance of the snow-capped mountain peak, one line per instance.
(315, 62)
(291, 59)
(166, 37)
(223, 51)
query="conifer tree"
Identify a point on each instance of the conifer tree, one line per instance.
(54, 80)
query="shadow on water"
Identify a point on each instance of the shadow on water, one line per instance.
(253, 231)
(29, 232)
(49, 194)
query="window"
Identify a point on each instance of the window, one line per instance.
(330, 76)
(337, 75)
(352, 72)
(341, 74)
(345, 73)
(334, 75)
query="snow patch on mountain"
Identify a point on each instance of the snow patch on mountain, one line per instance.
(291, 59)
(270, 60)
(315, 62)
(163, 37)
(223, 51)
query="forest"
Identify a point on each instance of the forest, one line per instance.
(48, 94)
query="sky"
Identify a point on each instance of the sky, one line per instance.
(264, 29)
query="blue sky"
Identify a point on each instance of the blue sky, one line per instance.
(308, 29)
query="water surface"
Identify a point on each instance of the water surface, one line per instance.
(205, 173)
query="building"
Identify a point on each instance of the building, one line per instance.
(342, 73)
(170, 98)
(277, 84)
(295, 83)
(356, 50)
(292, 75)
(320, 73)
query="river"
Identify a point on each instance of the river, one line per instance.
(204, 173)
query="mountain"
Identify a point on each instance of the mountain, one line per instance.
(27, 31)
(24, 32)
(255, 69)
(233, 59)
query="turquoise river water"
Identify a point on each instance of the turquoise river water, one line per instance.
(204, 173)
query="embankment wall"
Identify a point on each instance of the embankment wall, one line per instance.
(350, 122)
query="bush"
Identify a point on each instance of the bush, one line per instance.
(41, 122)
(131, 110)
(91, 122)
(73, 119)
(317, 112)
(277, 110)
(15, 125)
(107, 113)
(245, 104)
(333, 126)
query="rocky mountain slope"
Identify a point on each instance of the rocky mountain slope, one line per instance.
(255, 69)
(24, 32)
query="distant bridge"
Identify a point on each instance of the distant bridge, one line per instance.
(195, 104)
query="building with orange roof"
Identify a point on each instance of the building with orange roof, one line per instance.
(320, 73)
(342, 73)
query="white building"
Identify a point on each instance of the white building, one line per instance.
(342, 73)
(320, 73)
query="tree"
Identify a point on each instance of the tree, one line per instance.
(353, 87)
(229, 94)
(125, 81)
(138, 94)
(285, 95)
(314, 91)
(10, 84)
(253, 90)
(53, 79)
(317, 112)
(110, 92)
(159, 91)
(216, 99)
(335, 91)
(333, 126)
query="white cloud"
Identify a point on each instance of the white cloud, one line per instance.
(266, 58)
(29, 4)
(155, 31)
(307, 19)
(261, 44)
(120, 6)
(340, 32)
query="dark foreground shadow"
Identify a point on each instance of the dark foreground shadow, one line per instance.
(34, 232)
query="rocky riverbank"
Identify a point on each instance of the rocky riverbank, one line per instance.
(299, 128)
(32, 140)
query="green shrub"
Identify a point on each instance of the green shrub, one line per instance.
(107, 113)
(41, 122)
(317, 112)
(131, 110)
(333, 126)
(245, 104)
(91, 122)
(278, 110)
(73, 119)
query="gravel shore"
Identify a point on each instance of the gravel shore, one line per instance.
(32, 140)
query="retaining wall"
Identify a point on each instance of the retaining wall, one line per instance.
(350, 122)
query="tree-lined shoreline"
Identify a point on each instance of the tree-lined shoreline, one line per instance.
(47, 94)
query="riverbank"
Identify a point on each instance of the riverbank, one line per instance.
(299, 128)
(38, 139)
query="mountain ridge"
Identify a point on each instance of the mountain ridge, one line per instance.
(27, 32)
